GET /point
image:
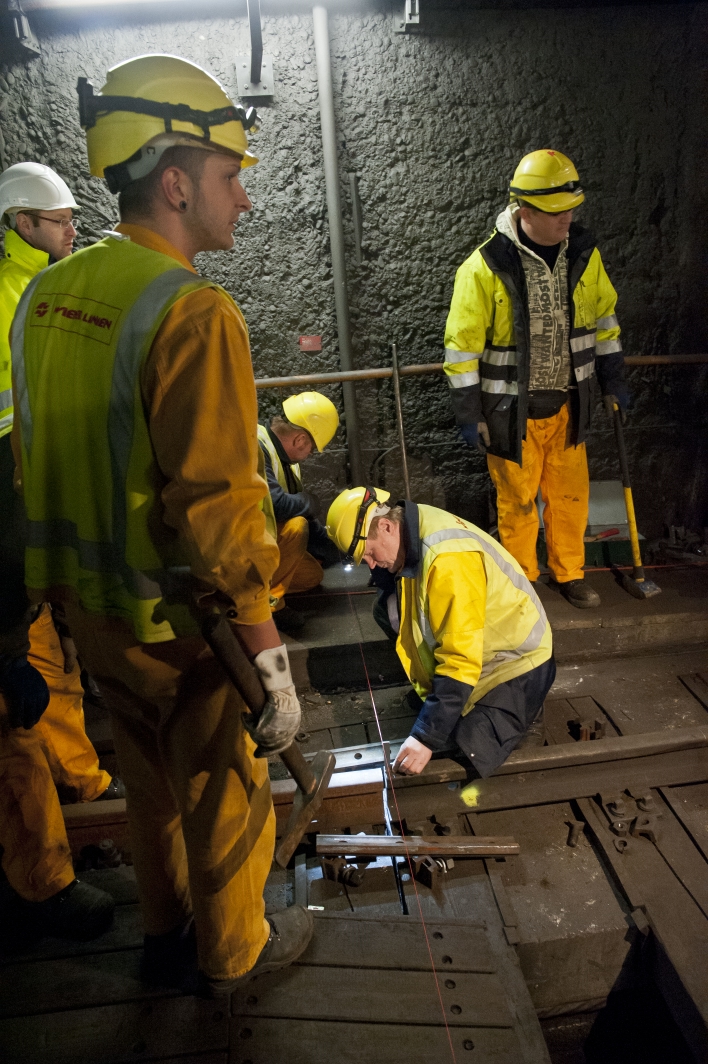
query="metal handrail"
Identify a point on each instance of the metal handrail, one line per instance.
(383, 372)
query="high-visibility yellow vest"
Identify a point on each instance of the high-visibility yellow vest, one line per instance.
(21, 263)
(81, 335)
(266, 501)
(517, 635)
(269, 447)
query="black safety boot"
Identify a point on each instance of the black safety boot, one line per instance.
(290, 934)
(579, 593)
(115, 789)
(289, 620)
(78, 911)
(170, 960)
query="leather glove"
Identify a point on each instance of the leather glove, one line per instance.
(279, 722)
(25, 690)
(476, 436)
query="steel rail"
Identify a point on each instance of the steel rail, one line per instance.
(385, 372)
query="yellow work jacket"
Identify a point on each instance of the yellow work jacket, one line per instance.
(80, 337)
(487, 337)
(20, 264)
(466, 610)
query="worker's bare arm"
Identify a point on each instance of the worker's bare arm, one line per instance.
(257, 637)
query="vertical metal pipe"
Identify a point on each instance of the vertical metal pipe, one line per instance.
(336, 232)
(399, 418)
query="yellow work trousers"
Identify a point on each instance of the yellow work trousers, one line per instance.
(202, 826)
(36, 856)
(297, 570)
(561, 471)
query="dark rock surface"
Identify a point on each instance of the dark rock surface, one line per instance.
(433, 125)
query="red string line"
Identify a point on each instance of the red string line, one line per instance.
(388, 770)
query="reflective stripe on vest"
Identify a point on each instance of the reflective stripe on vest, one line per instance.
(504, 609)
(98, 541)
(533, 639)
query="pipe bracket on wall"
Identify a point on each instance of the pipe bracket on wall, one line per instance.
(411, 18)
(254, 73)
(17, 29)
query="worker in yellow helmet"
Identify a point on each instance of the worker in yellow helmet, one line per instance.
(309, 422)
(531, 329)
(470, 630)
(43, 742)
(155, 474)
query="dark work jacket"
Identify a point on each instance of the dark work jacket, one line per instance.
(506, 415)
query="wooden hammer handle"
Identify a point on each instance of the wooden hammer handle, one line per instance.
(228, 651)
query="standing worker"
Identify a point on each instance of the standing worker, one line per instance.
(43, 741)
(154, 363)
(310, 420)
(531, 326)
(472, 635)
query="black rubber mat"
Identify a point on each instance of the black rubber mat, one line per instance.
(340, 668)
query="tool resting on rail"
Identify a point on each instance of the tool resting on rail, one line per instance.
(312, 778)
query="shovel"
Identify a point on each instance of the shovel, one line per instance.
(636, 584)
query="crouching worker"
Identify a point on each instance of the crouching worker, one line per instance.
(471, 632)
(310, 422)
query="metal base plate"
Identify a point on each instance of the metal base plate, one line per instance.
(265, 87)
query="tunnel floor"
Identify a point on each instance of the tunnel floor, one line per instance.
(584, 952)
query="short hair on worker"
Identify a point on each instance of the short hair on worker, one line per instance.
(281, 425)
(396, 514)
(136, 200)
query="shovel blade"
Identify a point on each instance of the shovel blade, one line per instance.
(305, 807)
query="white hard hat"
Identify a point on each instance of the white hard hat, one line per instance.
(33, 186)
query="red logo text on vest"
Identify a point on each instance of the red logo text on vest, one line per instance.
(76, 315)
(80, 315)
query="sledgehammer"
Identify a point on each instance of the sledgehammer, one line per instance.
(636, 584)
(312, 779)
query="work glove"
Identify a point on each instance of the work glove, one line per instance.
(279, 722)
(25, 690)
(620, 395)
(476, 436)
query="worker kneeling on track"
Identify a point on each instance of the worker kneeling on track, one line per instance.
(134, 504)
(310, 422)
(43, 742)
(471, 632)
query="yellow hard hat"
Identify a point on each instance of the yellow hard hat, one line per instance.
(315, 413)
(154, 102)
(349, 519)
(547, 180)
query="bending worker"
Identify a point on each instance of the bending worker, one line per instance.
(310, 420)
(43, 742)
(531, 328)
(152, 360)
(472, 635)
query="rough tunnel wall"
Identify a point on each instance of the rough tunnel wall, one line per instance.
(433, 126)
